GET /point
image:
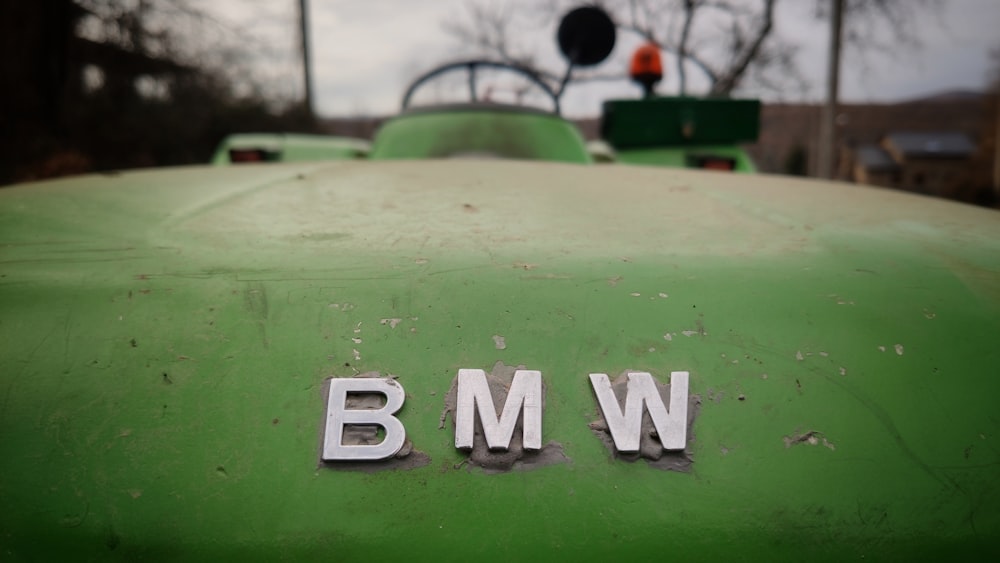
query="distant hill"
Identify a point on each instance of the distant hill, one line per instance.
(947, 96)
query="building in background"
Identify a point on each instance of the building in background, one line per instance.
(892, 145)
(934, 163)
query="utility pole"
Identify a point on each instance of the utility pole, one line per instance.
(996, 146)
(306, 73)
(828, 125)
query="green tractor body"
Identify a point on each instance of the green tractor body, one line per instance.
(419, 351)
(169, 338)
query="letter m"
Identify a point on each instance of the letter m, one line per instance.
(626, 427)
(474, 393)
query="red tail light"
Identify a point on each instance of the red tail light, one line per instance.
(252, 155)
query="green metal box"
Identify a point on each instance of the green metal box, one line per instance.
(679, 121)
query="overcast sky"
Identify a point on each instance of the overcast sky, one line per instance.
(365, 52)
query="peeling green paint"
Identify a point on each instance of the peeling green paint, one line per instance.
(166, 336)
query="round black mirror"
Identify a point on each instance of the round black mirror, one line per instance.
(586, 36)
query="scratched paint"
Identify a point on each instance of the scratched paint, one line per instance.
(901, 425)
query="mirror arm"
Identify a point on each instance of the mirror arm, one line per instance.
(565, 80)
(472, 82)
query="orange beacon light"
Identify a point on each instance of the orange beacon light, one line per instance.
(646, 67)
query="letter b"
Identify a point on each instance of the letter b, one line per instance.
(338, 416)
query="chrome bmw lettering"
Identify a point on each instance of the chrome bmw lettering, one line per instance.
(351, 428)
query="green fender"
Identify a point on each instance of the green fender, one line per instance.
(166, 336)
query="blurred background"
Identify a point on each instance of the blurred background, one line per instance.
(98, 85)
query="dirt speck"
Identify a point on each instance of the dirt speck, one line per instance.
(391, 322)
(500, 342)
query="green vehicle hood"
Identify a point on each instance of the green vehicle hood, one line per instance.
(166, 336)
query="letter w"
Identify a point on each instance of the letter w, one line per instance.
(626, 428)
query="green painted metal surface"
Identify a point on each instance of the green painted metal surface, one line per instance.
(477, 129)
(165, 337)
(293, 147)
(679, 157)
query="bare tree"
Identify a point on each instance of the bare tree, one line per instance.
(880, 26)
(858, 25)
(992, 134)
(491, 29)
(107, 84)
(183, 32)
(827, 129)
(727, 41)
